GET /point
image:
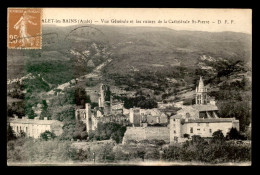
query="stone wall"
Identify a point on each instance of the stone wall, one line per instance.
(149, 133)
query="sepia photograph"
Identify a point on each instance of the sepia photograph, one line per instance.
(129, 87)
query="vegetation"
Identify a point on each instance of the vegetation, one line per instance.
(210, 152)
(81, 97)
(47, 135)
(217, 150)
(106, 131)
(234, 101)
(234, 134)
(139, 101)
(29, 150)
(10, 133)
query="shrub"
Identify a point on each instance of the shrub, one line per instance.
(233, 134)
(84, 135)
(10, 133)
(152, 154)
(47, 135)
(218, 136)
(106, 131)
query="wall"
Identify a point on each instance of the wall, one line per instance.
(150, 133)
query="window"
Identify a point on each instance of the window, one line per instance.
(210, 130)
(191, 130)
(174, 132)
(198, 129)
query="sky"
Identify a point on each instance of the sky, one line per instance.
(206, 19)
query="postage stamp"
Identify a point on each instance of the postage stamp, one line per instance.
(24, 28)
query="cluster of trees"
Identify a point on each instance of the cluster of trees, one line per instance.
(107, 131)
(16, 108)
(80, 131)
(47, 135)
(139, 101)
(216, 150)
(81, 97)
(16, 90)
(233, 100)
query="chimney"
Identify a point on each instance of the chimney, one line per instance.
(45, 118)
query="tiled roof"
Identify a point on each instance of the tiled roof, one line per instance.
(207, 107)
(210, 120)
(176, 116)
(32, 121)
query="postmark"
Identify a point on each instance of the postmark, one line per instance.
(24, 28)
(87, 34)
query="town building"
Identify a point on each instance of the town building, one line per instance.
(34, 127)
(140, 117)
(105, 112)
(199, 119)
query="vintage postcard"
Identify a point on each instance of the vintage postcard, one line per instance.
(129, 86)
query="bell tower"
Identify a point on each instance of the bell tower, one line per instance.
(201, 93)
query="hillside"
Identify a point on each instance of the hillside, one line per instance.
(158, 63)
(136, 46)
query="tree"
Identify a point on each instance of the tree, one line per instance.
(45, 112)
(106, 131)
(47, 135)
(233, 134)
(10, 133)
(81, 97)
(84, 135)
(218, 136)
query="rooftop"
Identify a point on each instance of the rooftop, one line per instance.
(176, 116)
(33, 121)
(208, 107)
(210, 120)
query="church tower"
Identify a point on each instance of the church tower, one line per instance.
(104, 100)
(201, 93)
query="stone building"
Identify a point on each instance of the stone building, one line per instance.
(105, 99)
(104, 113)
(135, 116)
(34, 127)
(199, 119)
(138, 116)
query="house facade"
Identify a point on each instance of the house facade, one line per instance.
(34, 127)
